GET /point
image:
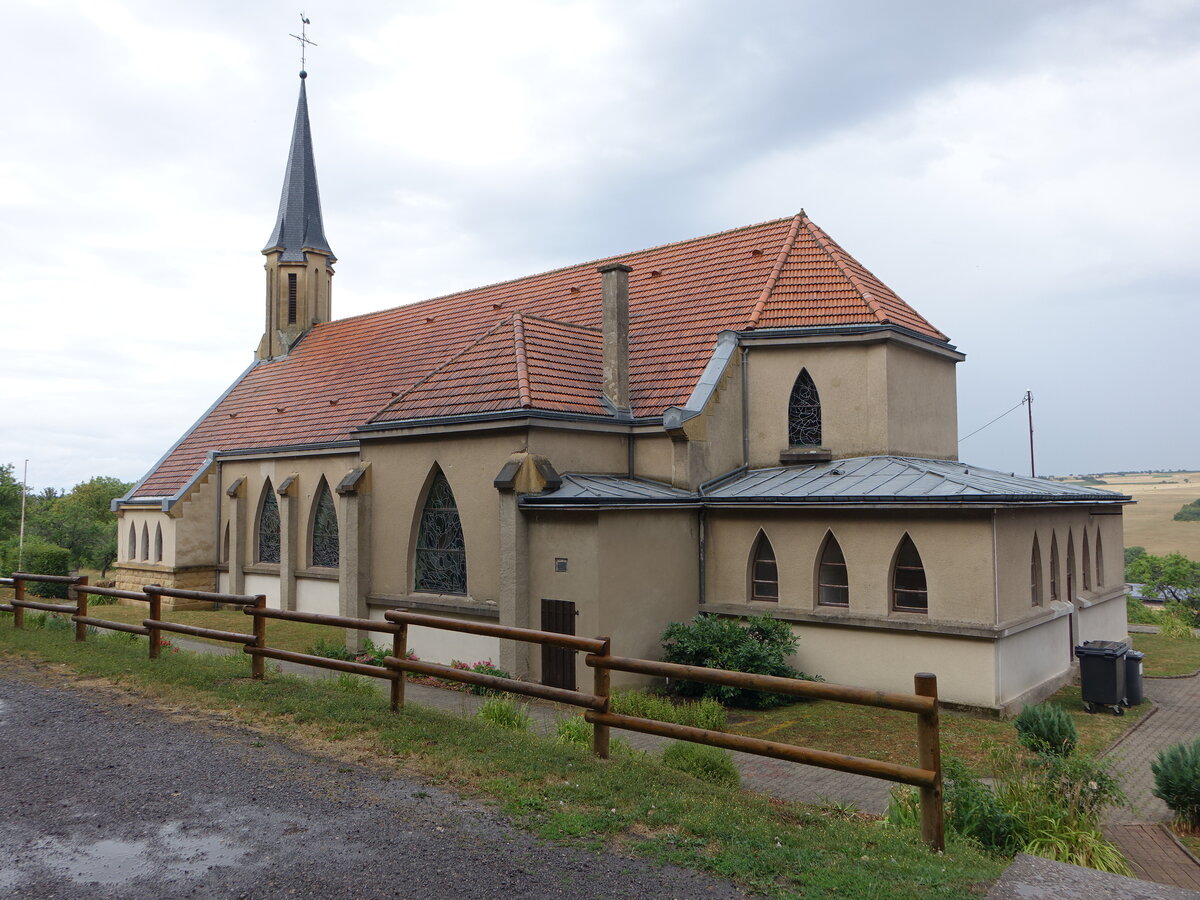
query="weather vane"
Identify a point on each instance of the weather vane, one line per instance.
(302, 37)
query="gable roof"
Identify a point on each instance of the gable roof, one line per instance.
(533, 343)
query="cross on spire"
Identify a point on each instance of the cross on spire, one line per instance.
(302, 37)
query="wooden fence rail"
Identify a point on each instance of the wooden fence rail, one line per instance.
(923, 702)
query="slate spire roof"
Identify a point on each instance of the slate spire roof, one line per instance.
(299, 226)
(533, 344)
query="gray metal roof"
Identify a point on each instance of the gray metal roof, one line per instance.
(299, 225)
(864, 479)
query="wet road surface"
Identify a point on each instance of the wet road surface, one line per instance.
(102, 798)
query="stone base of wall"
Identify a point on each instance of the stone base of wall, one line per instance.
(130, 577)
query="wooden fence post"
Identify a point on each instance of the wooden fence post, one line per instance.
(929, 747)
(81, 605)
(155, 615)
(257, 661)
(400, 651)
(18, 594)
(601, 679)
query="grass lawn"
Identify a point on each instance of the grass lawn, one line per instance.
(634, 804)
(1167, 655)
(892, 736)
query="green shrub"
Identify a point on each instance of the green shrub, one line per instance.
(330, 650)
(1138, 613)
(504, 713)
(577, 732)
(38, 558)
(1176, 621)
(974, 810)
(1177, 781)
(760, 646)
(1047, 728)
(1189, 512)
(706, 763)
(704, 713)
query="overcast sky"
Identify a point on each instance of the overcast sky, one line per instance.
(1023, 173)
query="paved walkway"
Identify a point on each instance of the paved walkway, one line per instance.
(1138, 827)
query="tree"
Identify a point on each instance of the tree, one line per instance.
(10, 502)
(1171, 577)
(80, 520)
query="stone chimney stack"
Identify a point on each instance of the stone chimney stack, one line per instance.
(615, 289)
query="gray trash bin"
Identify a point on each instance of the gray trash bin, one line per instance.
(1133, 678)
(1102, 674)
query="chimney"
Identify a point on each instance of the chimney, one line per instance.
(614, 285)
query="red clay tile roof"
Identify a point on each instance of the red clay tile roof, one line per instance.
(534, 343)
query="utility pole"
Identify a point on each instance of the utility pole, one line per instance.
(1029, 406)
(21, 533)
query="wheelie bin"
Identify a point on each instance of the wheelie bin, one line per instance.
(1102, 674)
(1133, 678)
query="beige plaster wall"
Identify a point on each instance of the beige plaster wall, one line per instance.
(575, 537)
(1105, 621)
(653, 456)
(922, 403)
(258, 583)
(714, 438)
(955, 548)
(1032, 657)
(317, 595)
(436, 645)
(965, 668)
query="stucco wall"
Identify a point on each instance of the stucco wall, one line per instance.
(314, 595)
(922, 403)
(1105, 620)
(263, 584)
(1032, 657)
(439, 646)
(955, 549)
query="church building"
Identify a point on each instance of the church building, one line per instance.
(740, 423)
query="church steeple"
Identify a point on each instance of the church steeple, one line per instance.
(299, 260)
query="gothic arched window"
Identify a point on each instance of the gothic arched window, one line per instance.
(1054, 565)
(441, 564)
(833, 583)
(1099, 559)
(225, 545)
(1087, 562)
(909, 589)
(145, 554)
(1035, 574)
(158, 542)
(132, 541)
(764, 573)
(268, 526)
(804, 413)
(325, 550)
(1070, 567)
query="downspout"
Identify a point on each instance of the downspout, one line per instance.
(996, 603)
(629, 453)
(703, 561)
(746, 406)
(217, 543)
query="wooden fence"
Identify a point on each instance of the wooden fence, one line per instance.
(923, 702)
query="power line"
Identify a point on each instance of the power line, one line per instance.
(994, 421)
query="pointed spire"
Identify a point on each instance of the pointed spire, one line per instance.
(299, 226)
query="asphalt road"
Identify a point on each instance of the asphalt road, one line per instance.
(102, 798)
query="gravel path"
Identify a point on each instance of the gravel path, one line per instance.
(106, 799)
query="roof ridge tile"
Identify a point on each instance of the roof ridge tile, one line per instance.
(522, 361)
(785, 251)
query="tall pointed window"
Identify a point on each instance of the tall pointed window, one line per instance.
(325, 550)
(804, 413)
(145, 554)
(764, 573)
(225, 545)
(291, 298)
(132, 542)
(268, 526)
(1035, 574)
(1054, 569)
(1086, 570)
(833, 585)
(1070, 567)
(441, 550)
(158, 543)
(909, 589)
(1099, 559)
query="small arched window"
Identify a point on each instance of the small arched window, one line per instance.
(441, 549)
(1054, 565)
(1070, 567)
(132, 542)
(1087, 563)
(158, 542)
(1035, 574)
(325, 551)
(764, 573)
(1099, 559)
(225, 545)
(833, 583)
(268, 525)
(145, 554)
(909, 590)
(804, 413)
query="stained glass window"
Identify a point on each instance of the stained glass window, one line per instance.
(833, 585)
(909, 590)
(268, 526)
(804, 413)
(764, 575)
(325, 530)
(441, 564)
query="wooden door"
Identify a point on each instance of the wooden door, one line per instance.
(558, 663)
